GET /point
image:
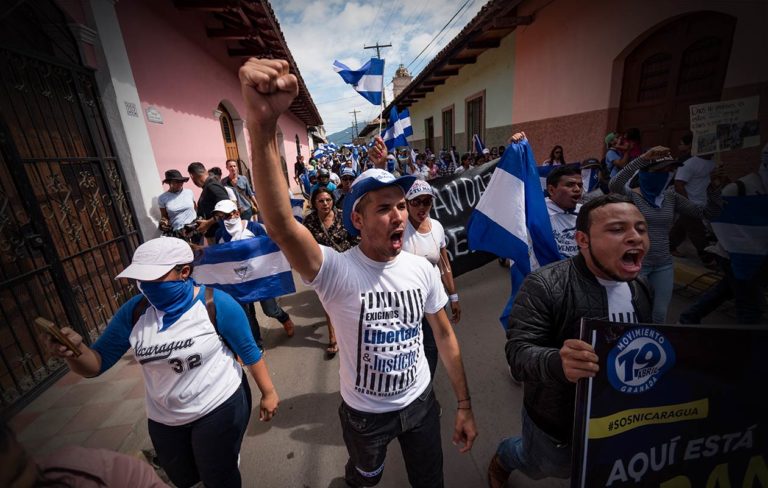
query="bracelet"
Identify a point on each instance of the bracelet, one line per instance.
(454, 297)
(465, 399)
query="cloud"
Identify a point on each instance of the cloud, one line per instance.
(320, 32)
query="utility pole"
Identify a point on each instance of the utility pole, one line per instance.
(378, 47)
(354, 128)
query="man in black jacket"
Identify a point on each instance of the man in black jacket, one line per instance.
(600, 282)
(213, 192)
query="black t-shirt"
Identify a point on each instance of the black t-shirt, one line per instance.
(299, 168)
(213, 193)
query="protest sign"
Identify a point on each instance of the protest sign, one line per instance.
(725, 126)
(673, 407)
(455, 197)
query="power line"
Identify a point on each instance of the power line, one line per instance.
(441, 31)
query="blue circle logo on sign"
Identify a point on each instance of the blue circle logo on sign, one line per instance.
(639, 358)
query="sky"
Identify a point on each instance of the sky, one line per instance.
(319, 32)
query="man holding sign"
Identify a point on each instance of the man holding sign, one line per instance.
(601, 281)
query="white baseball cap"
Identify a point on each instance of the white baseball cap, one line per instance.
(418, 188)
(225, 206)
(155, 258)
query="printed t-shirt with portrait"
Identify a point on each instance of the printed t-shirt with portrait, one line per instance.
(377, 310)
(427, 245)
(564, 228)
(620, 308)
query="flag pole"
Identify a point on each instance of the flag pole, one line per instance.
(381, 113)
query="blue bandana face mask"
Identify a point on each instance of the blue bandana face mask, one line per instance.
(652, 186)
(172, 297)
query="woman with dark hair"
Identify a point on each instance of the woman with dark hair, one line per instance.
(556, 157)
(325, 224)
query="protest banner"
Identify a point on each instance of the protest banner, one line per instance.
(725, 126)
(455, 197)
(673, 407)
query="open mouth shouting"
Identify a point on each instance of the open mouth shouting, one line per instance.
(632, 260)
(396, 239)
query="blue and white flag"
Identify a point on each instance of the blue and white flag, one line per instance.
(249, 269)
(368, 81)
(398, 129)
(511, 218)
(355, 160)
(590, 177)
(742, 230)
(479, 146)
(543, 172)
(297, 205)
(394, 135)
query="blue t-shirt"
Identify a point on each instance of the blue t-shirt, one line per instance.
(231, 321)
(611, 156)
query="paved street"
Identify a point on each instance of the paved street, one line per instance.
(302, 446)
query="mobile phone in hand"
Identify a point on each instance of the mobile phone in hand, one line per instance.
(49, 328)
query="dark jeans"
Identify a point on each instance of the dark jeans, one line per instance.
(246, 214)
(416, 427)
(694, 229)
(748, 296)
(430, 347)
(207, 449)
(270, 308)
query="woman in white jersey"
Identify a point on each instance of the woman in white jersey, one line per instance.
(197, 396)
(425, 237)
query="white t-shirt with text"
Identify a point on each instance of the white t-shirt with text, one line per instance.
(620, 308)
(564, 228)
(377, 310)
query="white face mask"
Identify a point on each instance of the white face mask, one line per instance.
(233, 226)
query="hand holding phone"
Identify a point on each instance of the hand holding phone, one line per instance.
(57, 337)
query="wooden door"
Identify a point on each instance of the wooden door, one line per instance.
(681, 63)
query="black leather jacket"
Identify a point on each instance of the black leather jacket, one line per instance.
(546, 312)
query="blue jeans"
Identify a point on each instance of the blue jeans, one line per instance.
(416, 427)
(207, 449)
(535, 453)
(662, 279)
(271, 309)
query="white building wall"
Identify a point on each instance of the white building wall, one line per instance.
(493, 72)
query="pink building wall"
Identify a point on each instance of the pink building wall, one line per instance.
(569, 66)
(185, 75)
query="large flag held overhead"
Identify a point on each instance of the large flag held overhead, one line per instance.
(368, 81)
(398, 128)
(511, 219)
(249, 269)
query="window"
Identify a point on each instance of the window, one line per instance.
(429, 133)
(448, 128)
(475, 117)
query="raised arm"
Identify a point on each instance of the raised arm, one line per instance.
(268, 90)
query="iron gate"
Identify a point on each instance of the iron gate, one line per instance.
(66, 222)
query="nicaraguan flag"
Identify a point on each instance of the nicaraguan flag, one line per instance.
(479, 146)
(297, 205)
(742, 230)
(368, 81)
(249, 269)
(355, 160)
(543, 172)
(590, 177)
(511, 218)
(404, 119)
(394, 135)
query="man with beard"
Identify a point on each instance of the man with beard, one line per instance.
(601, 281)
(375, 295)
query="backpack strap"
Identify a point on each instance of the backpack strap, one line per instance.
(139, 309)
(210, 306)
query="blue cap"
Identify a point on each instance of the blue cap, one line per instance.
(347, 172)
(370, 180)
